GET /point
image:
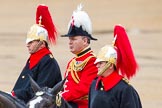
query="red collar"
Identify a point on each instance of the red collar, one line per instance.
(37, 56)
(110, 81)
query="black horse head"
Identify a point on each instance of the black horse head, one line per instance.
(8, 101)
(47, 97)
(44, 98)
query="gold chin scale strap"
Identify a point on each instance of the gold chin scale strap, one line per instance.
(108, 64)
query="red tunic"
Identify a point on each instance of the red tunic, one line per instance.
(80, 72)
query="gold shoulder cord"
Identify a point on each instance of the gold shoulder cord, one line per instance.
(125, 80)
(51, 56)
(74, 68)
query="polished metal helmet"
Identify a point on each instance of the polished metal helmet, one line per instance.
(108, 54)
(120, 54)
(37, 32)
(44, 29)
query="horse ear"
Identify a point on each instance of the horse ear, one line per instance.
(34, 85)
(5, 102)
(58, 87)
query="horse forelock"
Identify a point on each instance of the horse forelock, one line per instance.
(37, 100)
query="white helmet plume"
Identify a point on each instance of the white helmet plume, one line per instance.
(81, 19)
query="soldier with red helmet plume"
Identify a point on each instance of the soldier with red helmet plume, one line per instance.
(110, 89)
(41, 65)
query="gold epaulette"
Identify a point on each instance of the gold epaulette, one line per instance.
(126, 80)
(51, 56)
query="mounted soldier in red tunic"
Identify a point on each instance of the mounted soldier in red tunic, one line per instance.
(81, 69)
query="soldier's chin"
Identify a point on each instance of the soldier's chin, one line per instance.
(31, 51)
(73, 51)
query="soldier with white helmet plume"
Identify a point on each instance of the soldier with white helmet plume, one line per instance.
(81, 69)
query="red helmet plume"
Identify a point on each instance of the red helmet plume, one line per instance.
(46, 22)
(126, 62)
